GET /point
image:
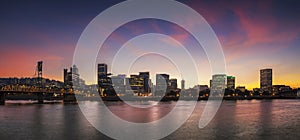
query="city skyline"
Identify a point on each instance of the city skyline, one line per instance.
(107, 79)
(119, 85)
(149, 69)
(270, 39)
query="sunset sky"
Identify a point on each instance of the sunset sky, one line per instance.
(253, 34)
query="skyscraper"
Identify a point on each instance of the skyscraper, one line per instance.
(182, 84)
(75, 75)
(136, 83)
(266, 80)
(173, 84)
(102, 70)
(230, 82)
(72, 78)
(103, 80)
(145, 76)
(118, 83)
(162, 83)
(66, 81)
(218, 84)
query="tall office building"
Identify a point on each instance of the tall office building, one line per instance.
(71, 78)
(162, 83)
(118, 80)
(103, 80)
(75, 75)
(66, 77)
(266, 80)
(145, 76)
(230, 82)
(102, 70)
(136, 83)
(118, 83)
(218, 83)
(173, 84)
(182, 84)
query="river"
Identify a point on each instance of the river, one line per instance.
(244, 119)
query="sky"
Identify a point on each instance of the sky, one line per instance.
(253, 34)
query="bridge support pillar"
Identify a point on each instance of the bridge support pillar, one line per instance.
(40, 98)
(2, 98)
(69, 98)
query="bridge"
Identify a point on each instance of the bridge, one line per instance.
(16, 92)
(38, 89)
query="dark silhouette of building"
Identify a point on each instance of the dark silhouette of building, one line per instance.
(266, 81)
(40, 73)
(182, 84)
(139, 83)
(230, 82)
(173, 84)
(136, 83)
(71, 78)
(282, 90)
(145, 77)
(202, 87)
(102, 70)
(103, 80)
(67, 78)
(241, 88)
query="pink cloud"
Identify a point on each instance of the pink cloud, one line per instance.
(257, 27)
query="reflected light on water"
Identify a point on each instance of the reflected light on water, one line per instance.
(254, 119)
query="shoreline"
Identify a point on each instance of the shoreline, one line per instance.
(142, 99)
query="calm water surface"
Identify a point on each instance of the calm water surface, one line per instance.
(255, 119)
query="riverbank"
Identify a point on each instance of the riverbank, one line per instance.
(73, 98)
